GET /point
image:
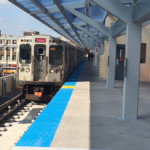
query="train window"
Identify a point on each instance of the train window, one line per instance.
(25, 54)
(40, 50)
(55, 55)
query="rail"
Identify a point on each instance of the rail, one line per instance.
(11, 106)
(11, 75)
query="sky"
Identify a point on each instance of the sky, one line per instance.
(14, 21)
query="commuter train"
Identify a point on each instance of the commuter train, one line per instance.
(44, 63)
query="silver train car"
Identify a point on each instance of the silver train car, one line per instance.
(44, 63)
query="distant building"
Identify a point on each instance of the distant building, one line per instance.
(30, 33)
(8, 48)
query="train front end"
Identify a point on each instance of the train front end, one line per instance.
(33, 68)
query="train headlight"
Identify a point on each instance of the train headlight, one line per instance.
(28, 70)
(51, 70)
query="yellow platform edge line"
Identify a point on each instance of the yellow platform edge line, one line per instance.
(68, 87)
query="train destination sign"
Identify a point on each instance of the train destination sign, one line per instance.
(40, 40)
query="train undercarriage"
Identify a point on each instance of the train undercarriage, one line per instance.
(39, 91)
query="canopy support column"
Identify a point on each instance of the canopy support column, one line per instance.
(131, 81)
(111, 63)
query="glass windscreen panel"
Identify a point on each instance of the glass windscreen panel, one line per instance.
(25, 54)
(55, 55)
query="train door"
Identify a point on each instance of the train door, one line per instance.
(56, 61)
(40, 67)
(120, 55)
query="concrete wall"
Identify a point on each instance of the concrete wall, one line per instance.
(7, 84)
(144, 68)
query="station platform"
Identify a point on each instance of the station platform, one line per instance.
(84, 115)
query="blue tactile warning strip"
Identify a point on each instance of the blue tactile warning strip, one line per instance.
(42, 131)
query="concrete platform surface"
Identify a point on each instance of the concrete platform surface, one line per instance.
(90, 120)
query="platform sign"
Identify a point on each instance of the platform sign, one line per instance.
(125, 67)
(108, 61)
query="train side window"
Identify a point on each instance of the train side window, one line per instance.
(55, 55)
(66, 55)
(143, 53)
(25, 54)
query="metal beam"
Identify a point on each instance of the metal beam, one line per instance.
(45, 11)
(73, 5)
(87, 40)
(90, 44)
(84, 37)
(88, 32)
(87, 10)
(117, 28)
(101, 28)
(67, 18)
(81, 23)
(91, 40)
(116, 8)
(141, 13)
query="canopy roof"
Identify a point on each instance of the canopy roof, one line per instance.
(81, 21)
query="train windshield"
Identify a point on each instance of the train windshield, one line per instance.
(25, 54)
(55, 55)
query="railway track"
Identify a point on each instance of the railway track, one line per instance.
(8, 108)
(16, 115)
